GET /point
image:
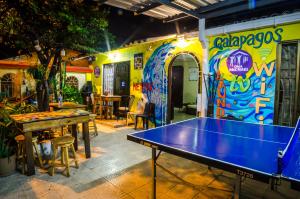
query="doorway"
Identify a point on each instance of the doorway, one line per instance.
(287, 100)
(183, 87)
(177, 86)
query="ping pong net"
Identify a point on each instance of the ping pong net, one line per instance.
(285, 155)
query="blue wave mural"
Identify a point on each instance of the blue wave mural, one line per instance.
(155, 82)
(241, 101)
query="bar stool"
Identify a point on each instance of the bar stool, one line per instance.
(93, 119)
(21, 152)
(65, 142)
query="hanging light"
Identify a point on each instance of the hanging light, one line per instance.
(37, 45)
(63, 53)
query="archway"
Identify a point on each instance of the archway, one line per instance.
(184, 84)
(72, 81)
(7, 83)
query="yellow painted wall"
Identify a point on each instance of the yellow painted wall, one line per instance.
(191, 45)
(263, 55)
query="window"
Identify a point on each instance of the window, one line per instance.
(108, 78)
(116, 78)
(72, 81)
(287, 108)
(7, 84)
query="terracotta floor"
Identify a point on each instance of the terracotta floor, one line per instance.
(122, 169)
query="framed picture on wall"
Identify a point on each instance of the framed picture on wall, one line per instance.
(97, 71)
(193, 74)
(138, 61)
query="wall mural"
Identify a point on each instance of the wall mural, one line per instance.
(155, 81)
(246, 86)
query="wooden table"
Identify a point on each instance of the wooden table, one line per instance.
(106, 99)
(44, 120)
(67, 105)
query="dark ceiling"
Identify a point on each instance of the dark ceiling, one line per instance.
(128, 28)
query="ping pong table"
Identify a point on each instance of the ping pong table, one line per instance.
(267, 153)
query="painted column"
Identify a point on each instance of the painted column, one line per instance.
(204, 66)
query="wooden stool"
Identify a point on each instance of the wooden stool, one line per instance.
(65, 142)
(21, 152)
(93, 119)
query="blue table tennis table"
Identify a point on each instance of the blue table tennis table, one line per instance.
(267, 153)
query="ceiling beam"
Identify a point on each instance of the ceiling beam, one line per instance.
(149, 6)
(179, 8)
(220, 5)
(236, 6)
(175, 18)
(100, 1)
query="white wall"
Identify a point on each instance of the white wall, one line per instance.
(80, 76)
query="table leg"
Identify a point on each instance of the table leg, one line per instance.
(85, 131)
(153, 173)
(117, 111)
(106, 111)
(237, 187)
(75, 135)
(29, 154)
(100, 110)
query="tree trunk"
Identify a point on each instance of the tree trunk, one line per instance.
(42, 90)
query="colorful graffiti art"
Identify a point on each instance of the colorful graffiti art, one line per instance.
(245, 90)
(155, 81)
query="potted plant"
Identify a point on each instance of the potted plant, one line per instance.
(8, 132)
(7, 144)
(72, 94)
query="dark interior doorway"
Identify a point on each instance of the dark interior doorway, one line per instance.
(177, 86)
(183, 87)
(122, 78)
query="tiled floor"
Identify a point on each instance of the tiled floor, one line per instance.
(180, 115)
(122, 169)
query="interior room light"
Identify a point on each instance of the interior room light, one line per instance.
(63, 53)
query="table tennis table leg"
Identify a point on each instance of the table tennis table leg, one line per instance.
(237, 186)
(153, 173)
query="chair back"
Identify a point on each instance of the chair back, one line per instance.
(130, 103)
(149, 110)
(152, 110)
(93, 98)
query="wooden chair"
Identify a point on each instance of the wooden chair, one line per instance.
(124, 110)
(95, 102)
(149, 114)
(101, 107)
(65, 142)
